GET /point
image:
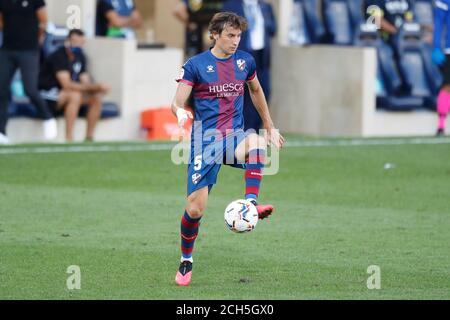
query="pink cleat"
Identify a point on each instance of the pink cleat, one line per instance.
(264, 210)
(184, 274)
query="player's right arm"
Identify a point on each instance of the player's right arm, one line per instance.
(186, 81)
(181, 96)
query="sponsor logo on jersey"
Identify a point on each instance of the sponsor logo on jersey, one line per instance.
(210, 69)
(232, 88)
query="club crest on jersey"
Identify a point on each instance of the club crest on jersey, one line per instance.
(196, 178)
(210, 69)
(241, 64)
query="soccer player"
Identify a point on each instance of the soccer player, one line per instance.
(441, 20)
(216, 78)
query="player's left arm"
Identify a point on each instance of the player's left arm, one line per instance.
(259, 101)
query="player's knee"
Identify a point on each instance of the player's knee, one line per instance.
(446, 88)
(195, 211)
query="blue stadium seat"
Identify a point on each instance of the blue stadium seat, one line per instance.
(390, 89)
(338, 21)
(299, 32)
(54, 38)
(357, 15)
(414, 64)
(423, 12)
(315, 24)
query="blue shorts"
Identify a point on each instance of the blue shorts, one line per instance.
(207, 158)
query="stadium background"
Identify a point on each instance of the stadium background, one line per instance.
(340, 98)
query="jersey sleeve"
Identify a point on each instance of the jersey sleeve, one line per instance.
(251, 69)
(188, 74)
(440, 15)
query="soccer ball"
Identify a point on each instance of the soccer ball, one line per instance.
(241, 216)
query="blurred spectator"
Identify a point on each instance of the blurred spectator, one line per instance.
(392, 14)
(66, 85)
(442, 58)
(257, 41)
(117, 19)
(196, 15)
(23, 24)
(423, 15)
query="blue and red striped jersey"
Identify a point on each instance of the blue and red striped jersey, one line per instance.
(218, 88)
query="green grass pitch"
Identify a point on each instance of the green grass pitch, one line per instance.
(116, 215)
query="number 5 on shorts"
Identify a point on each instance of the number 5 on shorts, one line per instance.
(198, 163)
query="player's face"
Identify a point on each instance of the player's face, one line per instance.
(228, 40)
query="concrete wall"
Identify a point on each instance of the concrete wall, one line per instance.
(321, 90)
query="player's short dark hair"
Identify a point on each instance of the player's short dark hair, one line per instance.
(77, 32)
(222, 20)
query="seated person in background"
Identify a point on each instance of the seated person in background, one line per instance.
(392, 14)
(117, 19)
(66, 85)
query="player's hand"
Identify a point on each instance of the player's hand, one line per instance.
(274, 137)
(438, 56)
(183, 116)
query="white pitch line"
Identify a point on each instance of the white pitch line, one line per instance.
(169, 146)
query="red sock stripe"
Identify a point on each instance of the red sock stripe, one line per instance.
(187, 250)
(256, 159)
(253, 174)
(189, 225)
(252, 190)
(189, 239)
